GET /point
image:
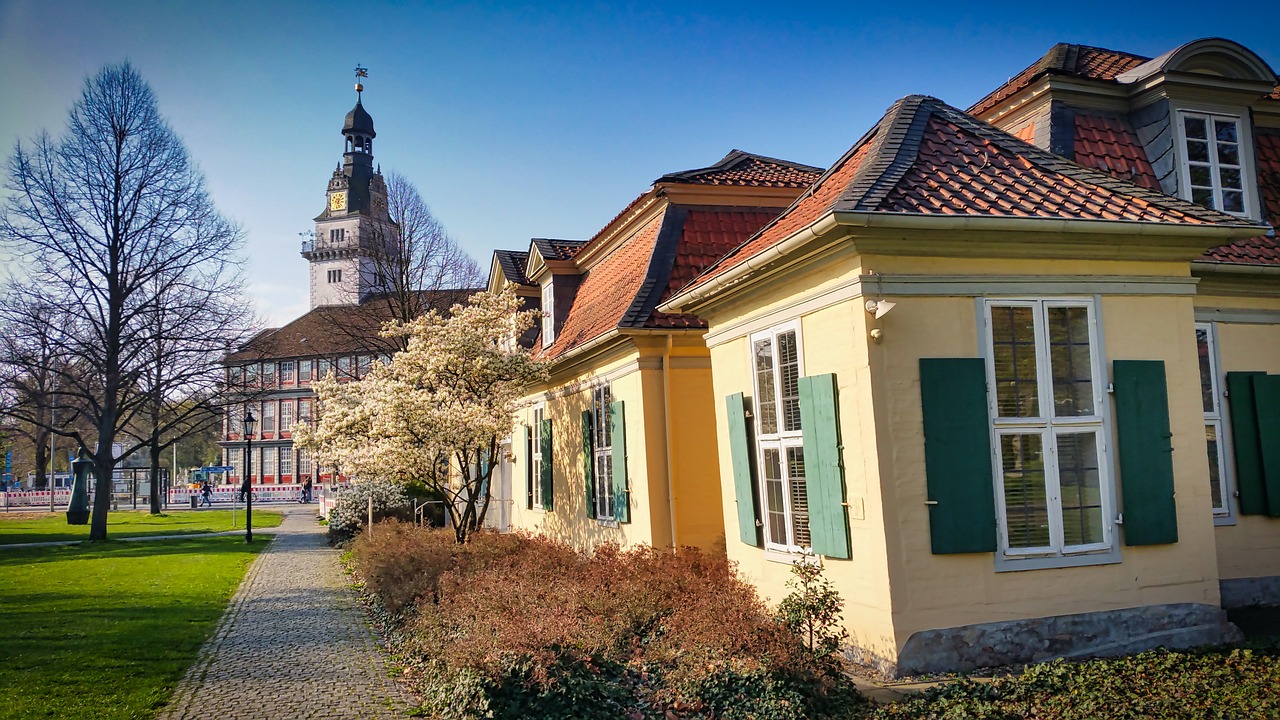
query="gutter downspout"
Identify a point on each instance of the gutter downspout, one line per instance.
(666, 409)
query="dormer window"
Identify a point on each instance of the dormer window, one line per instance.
(1214, 162)
(548, 314)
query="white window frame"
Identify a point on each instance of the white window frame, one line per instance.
(267, 463)
(286, 415)
(1057, 553)
(1244, 136)
(284, 462)
(268, 374)
(304, 462)
(548, 313)
(602, 451)
(304, 372)
(268, 420)
(535, 455)
(1217, 419)
(309, 404)
(287, 376)
(780, 441)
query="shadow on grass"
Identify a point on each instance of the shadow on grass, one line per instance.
(117, 549)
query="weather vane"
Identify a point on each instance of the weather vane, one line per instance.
(361, 72)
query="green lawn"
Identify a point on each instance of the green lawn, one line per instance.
(39, 527)
(106, 631)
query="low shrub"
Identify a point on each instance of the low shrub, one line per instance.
(1158, 684)
(511, 626)
(350, 512)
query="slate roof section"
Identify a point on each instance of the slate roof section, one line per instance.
(1108, 143)
(746, 169)
(335, 329)
(513, 264)
(925, 157)
(555, 249)
(1080, 61)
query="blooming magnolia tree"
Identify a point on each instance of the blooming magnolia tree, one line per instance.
(438, 410)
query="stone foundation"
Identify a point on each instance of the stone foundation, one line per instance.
(1250, 592)
(1097, 634)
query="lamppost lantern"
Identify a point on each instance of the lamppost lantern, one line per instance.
(246, 487)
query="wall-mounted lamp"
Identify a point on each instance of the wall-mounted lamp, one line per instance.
(880, 308)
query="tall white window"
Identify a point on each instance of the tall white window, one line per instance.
(304, 371)
(268, 460)
(344, 367)
(535, 459)
(1214, 170)
(286, 373)
(548, 314)
(777, 367)
(1053, 489)
(365, 362)
(304, 410)
(304, 462)
(1211, 398)
(268, 374)
(602, 449)
(286, 461)
(286, 415)
(268, 421)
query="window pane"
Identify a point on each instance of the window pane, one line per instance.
(1201, 196)
(1233, 201)
(1200, 176)
(775, 510)
(1197, 151)
(1026, 506)
(765, 396)
(1225, 130)
(1215, 479)
(1014, 350)
(1081, 488)
(1231, 178)
(1071, 361)
(1206, 370)
(799, 496)
(789, 368)
(1195, 127)
(1229, 154)
(604, 485)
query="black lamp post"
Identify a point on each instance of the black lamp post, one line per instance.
(246, 487)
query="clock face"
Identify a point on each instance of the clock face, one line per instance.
(338, 201)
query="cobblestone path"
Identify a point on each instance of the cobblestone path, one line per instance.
(293, 643)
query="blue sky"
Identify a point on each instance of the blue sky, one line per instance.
(523, 120)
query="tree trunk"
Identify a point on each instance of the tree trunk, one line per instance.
(42, 458)
(104, 467)
(155, 475)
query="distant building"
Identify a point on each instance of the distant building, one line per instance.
(339, 334)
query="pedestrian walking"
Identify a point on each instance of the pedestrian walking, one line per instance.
(206, 494)
(306, 490)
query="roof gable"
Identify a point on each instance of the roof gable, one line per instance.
(747, 169)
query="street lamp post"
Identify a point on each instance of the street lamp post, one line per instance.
(246, 487)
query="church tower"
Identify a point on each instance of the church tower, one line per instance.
(355, 238)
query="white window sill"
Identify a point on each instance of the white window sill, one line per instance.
(1017, 563)
(607, 522)
(791, 558)
(1224, 520)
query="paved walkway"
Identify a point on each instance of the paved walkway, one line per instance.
(292, 644)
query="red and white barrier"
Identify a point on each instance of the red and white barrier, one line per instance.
(231, 493)
(34, 498)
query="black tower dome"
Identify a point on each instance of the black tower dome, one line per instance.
(359, 121)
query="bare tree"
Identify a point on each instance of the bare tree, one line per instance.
(29, 371)
(122, 242)
(415, 266)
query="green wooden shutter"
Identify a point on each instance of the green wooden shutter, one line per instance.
(1246, 443)
(588, 464)
(824, 472)
(525, 448)
(749, 528)
(957, 455)
(1146, 452)
(1266, 398)
(618, 436)
(548, 484)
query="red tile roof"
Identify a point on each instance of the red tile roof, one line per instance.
(1064, 59)
(1108, 143)
(606, 291)
(747, 169)
(1259, 250)
(925, 157)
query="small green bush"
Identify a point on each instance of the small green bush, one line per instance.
(351, 509)
(1159, 684)
(511, 626)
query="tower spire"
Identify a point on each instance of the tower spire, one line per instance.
(361, 72)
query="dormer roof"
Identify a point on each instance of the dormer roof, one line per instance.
(747, 169)
(926, 159)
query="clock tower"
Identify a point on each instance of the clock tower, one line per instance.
(355, 237)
